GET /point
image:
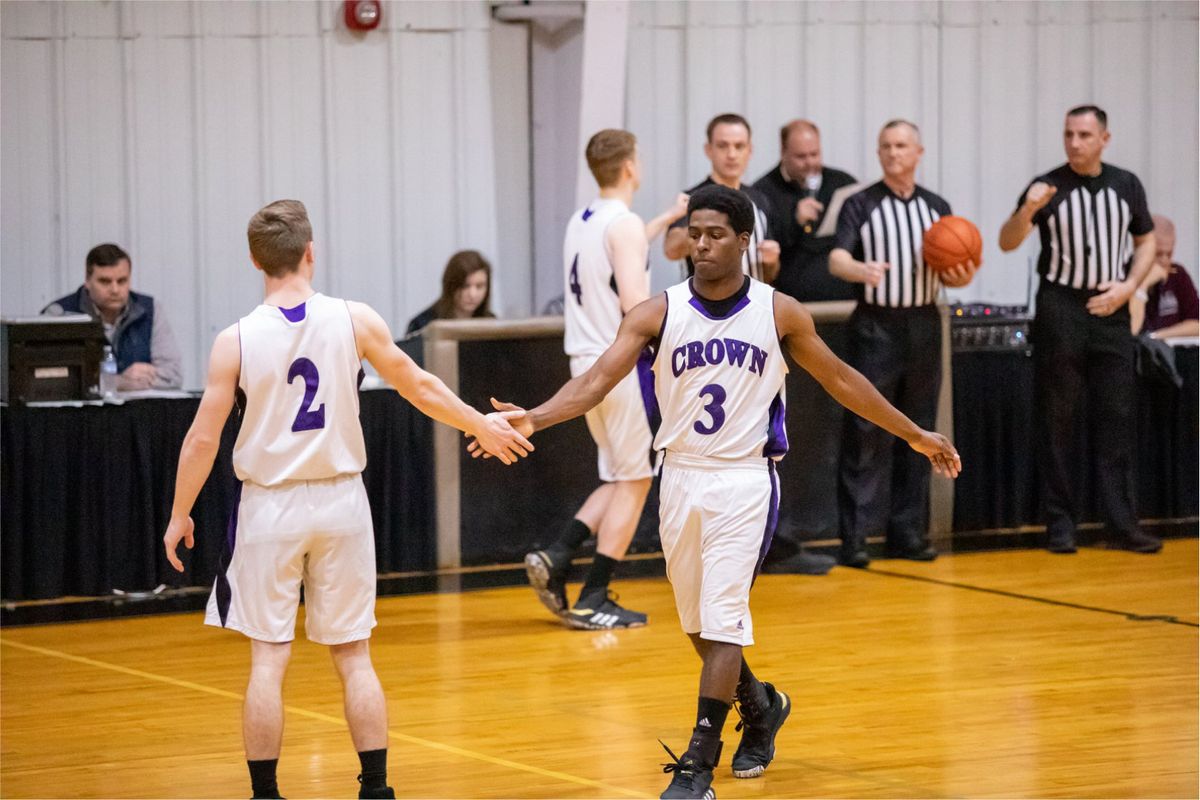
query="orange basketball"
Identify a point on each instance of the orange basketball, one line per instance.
(951, 241)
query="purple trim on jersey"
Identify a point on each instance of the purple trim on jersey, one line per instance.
(738, 306)
(222, 589)
(777, 441)
(772, 519)
(645, 373)
(293, 314)
(657, 342)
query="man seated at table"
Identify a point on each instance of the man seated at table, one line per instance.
(146, 352)
(1165, 305)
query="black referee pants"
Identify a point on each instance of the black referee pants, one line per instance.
(1083, 363)
(883, 484)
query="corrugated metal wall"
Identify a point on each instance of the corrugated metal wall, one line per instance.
(987, 82)
(164, 125)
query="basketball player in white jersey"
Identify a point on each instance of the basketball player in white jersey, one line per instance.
(606, 273)
(719, 373)
(302, 515)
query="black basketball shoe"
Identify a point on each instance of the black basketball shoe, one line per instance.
(691, 779)
(547, 573)
(758, 727)
(599, 611)
(386, 793)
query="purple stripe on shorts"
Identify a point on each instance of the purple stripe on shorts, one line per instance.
(738, 306)
(223, 590)
(777, 441)
(293, 314)
(772, 518)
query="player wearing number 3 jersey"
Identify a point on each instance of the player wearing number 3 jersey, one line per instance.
(301, 515)
(719, 371)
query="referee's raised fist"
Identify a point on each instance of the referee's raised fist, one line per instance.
(1039, 194)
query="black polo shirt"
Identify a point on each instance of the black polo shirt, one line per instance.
(804, 257)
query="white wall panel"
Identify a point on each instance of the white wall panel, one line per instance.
(164, 125)
(988, 82)
(30, 247)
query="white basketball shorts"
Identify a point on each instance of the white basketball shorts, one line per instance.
(620, 426)
(716, 520)
(315, 533)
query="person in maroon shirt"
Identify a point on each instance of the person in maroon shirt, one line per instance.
(1166, 304)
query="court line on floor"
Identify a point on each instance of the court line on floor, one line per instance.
(338, 721)
(1168, 618)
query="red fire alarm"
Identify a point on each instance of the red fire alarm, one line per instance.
(363, 15)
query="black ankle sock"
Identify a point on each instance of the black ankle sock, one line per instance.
(374, 768)
(262, 777)
(599, 575)
(705, 744)
(750, 690)
(575, 534)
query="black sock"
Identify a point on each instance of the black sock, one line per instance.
(575, 534)
(750, 690)
(374, 768)
(706, 736)
(262, 777)
(599, 575)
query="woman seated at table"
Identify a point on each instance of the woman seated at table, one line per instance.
(466, 291)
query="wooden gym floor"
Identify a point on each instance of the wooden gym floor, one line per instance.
(1001, 674)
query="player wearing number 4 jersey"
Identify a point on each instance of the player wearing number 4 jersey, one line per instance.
(301, 515)
(719, 373)
(606, 274)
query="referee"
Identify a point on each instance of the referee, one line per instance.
(895, 340)
(1097, 246)
(727, 146)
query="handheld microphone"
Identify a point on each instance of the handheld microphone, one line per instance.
(812, 182)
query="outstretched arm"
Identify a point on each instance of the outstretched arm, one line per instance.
(579, 395)
(203, 439)
(848, 386)
(427, 392)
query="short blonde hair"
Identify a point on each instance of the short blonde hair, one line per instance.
(607, 152)
(279, 234)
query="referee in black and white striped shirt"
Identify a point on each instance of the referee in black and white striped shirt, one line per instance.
(1097, 246)
(895, 340)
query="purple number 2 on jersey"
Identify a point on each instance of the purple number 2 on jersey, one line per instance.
(306, 418)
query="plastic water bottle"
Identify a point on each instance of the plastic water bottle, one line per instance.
(108, 374)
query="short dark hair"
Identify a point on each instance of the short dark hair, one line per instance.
(1097, 111)
(279, 234)
(105, 255)
(725, 119)
(730, 202)
(607, 151)
(463, 265)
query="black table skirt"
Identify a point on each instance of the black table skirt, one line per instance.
(87, 495)
(994, 431)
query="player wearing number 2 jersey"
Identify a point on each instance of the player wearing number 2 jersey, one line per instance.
(301, 516)
(719, 373)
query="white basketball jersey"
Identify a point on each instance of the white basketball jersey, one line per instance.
(591, 306)
(300, 372)
(719, 382)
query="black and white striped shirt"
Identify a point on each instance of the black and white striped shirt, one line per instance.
(876, 224)
(1087, 228)
(751, 260)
